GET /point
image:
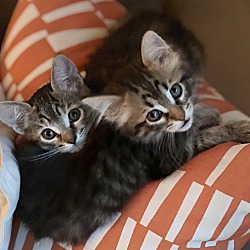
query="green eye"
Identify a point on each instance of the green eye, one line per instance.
(176, 91)
(48, 134)
(154, 115)
(74, 115)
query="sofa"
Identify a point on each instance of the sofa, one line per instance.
(203, 205)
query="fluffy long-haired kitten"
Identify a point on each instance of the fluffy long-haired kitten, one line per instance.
(152, 64)
(68, 198)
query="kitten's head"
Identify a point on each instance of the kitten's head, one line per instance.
(152, 99)
(54, 117)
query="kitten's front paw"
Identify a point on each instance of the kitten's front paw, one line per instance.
(233, 131)
(240, 130)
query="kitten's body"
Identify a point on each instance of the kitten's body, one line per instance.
(69, 196)
(82, 191)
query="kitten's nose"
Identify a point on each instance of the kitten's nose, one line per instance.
(177, 114)
(69, 137)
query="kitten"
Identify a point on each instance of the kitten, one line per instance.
(54, 118)
(152, 65)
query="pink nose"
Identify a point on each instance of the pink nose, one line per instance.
(177, 114)
(69, 137)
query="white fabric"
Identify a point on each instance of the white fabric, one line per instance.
(9, 183)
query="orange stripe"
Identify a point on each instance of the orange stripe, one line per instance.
(222, 106)
(164, 245)
(29, 242)
(137, 238)
(31, 61)
(83, 20)
(189, 227)
(233, 180)
(3, 70)
(137, 205)
(35, 84)
(21, 5)
(31, 28)
(110, 240)
(204, 91)
(222, 245)
(235, 203)
(10, 94)
(166, 214)
(200, 167)
(87, 49)
(15, 226)
(47, 5)
(105, 8)
(241, 241)
(243, 228)
(73, 53)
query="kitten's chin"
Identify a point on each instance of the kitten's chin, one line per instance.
(186, 125)
(72, 148)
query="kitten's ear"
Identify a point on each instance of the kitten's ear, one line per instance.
(14, 114)
(65, 76)
(102, 103)
(156, 53)
(111, 108)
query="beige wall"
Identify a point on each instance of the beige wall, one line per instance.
(223, 27)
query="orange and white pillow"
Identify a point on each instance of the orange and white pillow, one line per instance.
(2, 96)
(40, 29)
(203, 205)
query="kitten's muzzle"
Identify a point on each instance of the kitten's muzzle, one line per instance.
(69, 137)
(176, 114)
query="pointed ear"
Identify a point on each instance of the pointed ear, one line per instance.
(65, 76)
(14, 114)
(111, 107)
(102, 103)
(156, 53)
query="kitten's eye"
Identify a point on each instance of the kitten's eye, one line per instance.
(48, 134)
(176, 91)
(154, 115)
(74, 115)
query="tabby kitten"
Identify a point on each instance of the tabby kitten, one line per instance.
(152, 65)
(54, 118)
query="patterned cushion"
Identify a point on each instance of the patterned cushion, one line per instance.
(2, 96)
(40, 29)
(203, 205)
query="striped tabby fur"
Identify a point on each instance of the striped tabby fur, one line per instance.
(46, 119)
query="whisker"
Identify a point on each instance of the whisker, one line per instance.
(173, 150)
(40, 156)
(55, 154)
